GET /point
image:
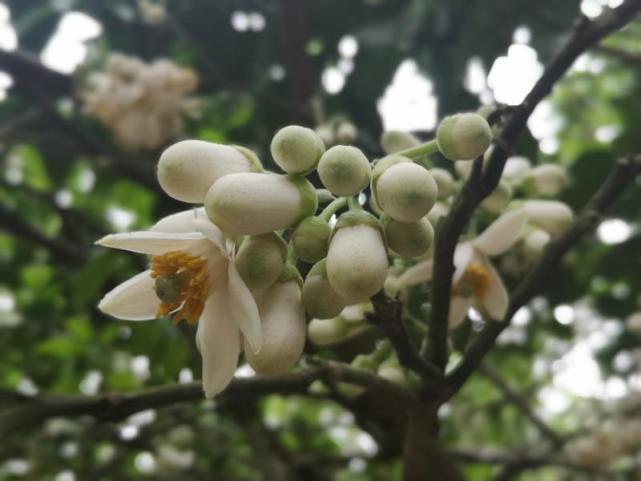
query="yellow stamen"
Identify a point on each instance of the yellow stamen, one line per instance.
(189, 304)
(475, 280)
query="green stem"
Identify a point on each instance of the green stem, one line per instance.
(353, 204)
(291, 255)
(420, 150)
(332, 208)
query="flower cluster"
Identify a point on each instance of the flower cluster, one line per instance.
(226, 266)
(142, 104)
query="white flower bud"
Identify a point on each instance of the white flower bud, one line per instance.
(633, 322)
(319, 298)
(344, 170)
(188, 169)
(324, 332)
(392, 371)
(444, 182)
(408, 239)
(251, 204)
(311, 239)
(463, 136)
(440, 210)
(550, 215)
(326, 133)
(546, 180)
(394, 141)
(515, 169)
(498, 199)
(283, 328)
(534, 243)
(405, 191)
(346, 133)
(357, 258)
(260, 260)
(297, 149)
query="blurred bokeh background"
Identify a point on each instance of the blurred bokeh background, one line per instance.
(92, 91)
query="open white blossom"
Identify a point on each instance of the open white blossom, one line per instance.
(475, 281)
(192, 277)
(142, 104)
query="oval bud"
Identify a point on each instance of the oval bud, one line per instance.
(550, 215)
(406, 191)
(498, 199)
(440, 210)
(344, 170)
(311, 238)
(516, 167)
(534, 243)
(251, 204)
(188, 169)
(324, 332)
(363, 361)
(546, 180)
(463, 136)
(391, 370)
(260, 260)
(444, 182)
(297, 149)
(394, 141)
(357, 258)
(319, 298)
(326, 133)
(408, 239)
(283, 328)
(346, 133)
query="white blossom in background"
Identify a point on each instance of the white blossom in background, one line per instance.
(142, 104)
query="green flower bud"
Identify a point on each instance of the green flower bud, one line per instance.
(357, 258)
(250, 204)
(311, 238)
(408, 239)
(392, 371)
(363, 361)
(463, 136)
(261, 259)
(498, 199)
(186, 170)
(324, 332)
(395, 141)
(344, 170)
(319, 298)
(444, 182)
(552, 216)
(283, 330)
(546, 180)
(406, 191)
(297, 149)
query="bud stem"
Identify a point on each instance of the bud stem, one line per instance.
(353, 204)
(332, 208)
(414, 153)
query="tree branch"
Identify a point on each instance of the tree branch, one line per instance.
(479, 185)
(623, 175)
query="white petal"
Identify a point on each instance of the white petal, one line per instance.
(496, 299)
(134, 299)
(515, 168)
(418, 273)
(218, 339)
(152, 243)
(180, 222)
(243, 308)
(458, 310)
(502, 233)
(213, 233)
(463, 255)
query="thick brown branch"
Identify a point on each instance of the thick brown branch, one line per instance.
(586, 34)
(624, 174)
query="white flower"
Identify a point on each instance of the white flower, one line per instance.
(475, 281)
(193, 270)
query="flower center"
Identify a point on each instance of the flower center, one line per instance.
(181, 285)
(475, 281)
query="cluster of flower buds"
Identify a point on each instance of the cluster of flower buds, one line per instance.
(261, 227)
